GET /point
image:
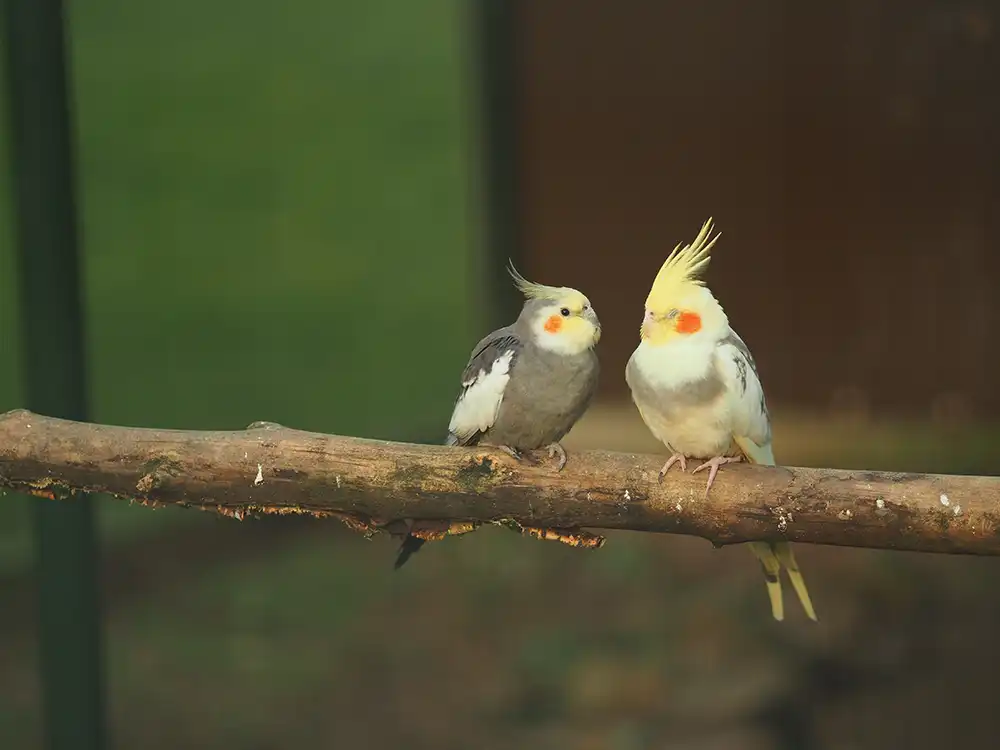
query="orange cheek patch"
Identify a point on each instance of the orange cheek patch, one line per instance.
(553, 324)
(688, 322)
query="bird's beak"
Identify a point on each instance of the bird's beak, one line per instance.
(648, 319)
(590, 315)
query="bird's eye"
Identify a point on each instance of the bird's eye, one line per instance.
(672, 314)
(564, 312)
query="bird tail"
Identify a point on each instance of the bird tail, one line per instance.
(774, 555)
(772, 575)
(783, 551)
(410, 546)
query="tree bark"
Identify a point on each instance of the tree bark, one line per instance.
(433, 491)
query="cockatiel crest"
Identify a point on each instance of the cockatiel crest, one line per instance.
(679, 302)
(533, 290)
(681, 271)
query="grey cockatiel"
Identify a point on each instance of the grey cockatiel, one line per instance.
(528, 383)
(696, 387)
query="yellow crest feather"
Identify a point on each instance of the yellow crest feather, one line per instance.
(681, 268)
(531, 290)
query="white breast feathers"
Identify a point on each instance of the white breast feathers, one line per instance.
(674, 365)
(682, 398)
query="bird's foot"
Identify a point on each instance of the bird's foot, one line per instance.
(512, 452)
(713, 465)
(677, 458)
(556, 450)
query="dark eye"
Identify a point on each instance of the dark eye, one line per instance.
(672, 314)
(564, 312)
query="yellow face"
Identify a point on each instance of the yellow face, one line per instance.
(669, 320)
(569, 324)
(660, 328)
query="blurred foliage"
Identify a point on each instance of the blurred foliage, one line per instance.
(273, 209)
(13, 516)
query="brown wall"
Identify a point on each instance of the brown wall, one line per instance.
(847, 151)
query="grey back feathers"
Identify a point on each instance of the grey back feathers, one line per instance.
(742, 358)
(757, 419)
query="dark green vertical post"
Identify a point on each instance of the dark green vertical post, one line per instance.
(52, 320)
(495, 83)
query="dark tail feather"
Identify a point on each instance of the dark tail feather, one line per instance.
(409, 546)
(413, 544)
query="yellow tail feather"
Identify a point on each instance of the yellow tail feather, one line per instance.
(773, 556)
(772, 572)
(783, 551)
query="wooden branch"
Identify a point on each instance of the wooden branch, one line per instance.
(381, 486)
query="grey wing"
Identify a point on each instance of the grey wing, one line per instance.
(483, 384)
(749, 406)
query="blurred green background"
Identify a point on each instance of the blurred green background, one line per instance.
(273, 201)
(269, 210)
(278, 224)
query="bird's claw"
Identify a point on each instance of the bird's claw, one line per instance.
(512, 452)
(713, 465)
(557, 450)
(677, 458)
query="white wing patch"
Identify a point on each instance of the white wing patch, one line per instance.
(747, 403)
(477, 408)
